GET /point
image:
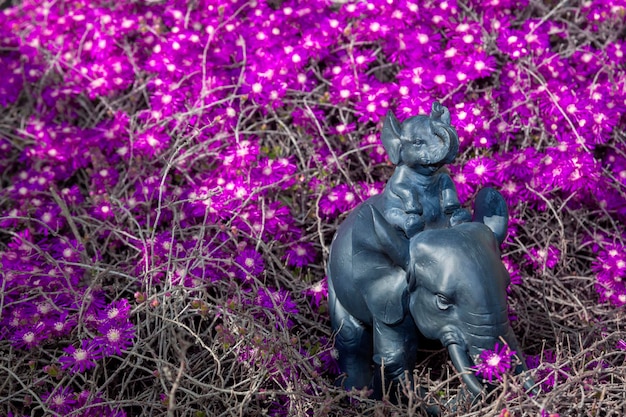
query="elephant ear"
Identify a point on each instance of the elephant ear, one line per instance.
(490, 208)
(379, 265)
(391, 137)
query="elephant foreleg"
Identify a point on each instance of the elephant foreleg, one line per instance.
(395, 351)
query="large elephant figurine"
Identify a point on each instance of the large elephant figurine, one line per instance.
(447, 284)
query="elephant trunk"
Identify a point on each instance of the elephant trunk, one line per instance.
(438, 146)
(462, 357)
(446, 150)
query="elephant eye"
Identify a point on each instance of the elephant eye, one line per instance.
(443, 303)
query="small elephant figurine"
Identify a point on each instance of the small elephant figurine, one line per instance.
(387, 291)
(420, 194)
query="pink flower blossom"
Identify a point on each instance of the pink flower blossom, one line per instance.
(80, 359)
(114, 337)
(60, 400)
(494, 363)
(300, 254)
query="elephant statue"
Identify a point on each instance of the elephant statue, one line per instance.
(386, 292)
(420, 193)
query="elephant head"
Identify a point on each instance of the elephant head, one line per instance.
(456, 284)
(421, 141)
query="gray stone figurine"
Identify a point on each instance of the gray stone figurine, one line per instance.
(420, 194)
(392, 283)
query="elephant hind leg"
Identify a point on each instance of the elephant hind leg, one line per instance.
(353, 341)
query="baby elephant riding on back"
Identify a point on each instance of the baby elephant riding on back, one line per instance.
(420, 194)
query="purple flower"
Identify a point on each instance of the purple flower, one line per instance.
(610, 269)
(93, 302)
(480, 170)
(29, 336)
(117, 311)
(80, 359)
(463, 187)
(340, 199)
(277, 299)
(318, 292)
(250, 263)
(115, 337)
(373, 104)
(540, 258)
(328, 361)
(548, 373)
(241, 154)
(277, 306)
(102, 210)
(60, 400)
(329, 204)
(513, 270)
(512, 43)
(271, 171)
(151, 142)
(63, 324)
(300, 254)
(494, 363)
(374, 146)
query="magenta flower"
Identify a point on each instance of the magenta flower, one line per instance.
(63, 324)
(480, 170)
(540, 258)
(103, 210)
(513, 43)
(328, 361)
(250, 263)
(548, 373)
(318, 292)
(610, 269)
(117, 311)
(60, 400)
(463, 186)
(513, 270)
(277, 299)
(277, 306)
(329, 204)
(115, 337)
(241, 154)
(80, 359)
(151, 142)
(271, 171)
(340, 199)
(300, 254)
(494, 363)
(29, 336)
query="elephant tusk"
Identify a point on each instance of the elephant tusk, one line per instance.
(463, 365)
(530, 386)
(529, 382)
